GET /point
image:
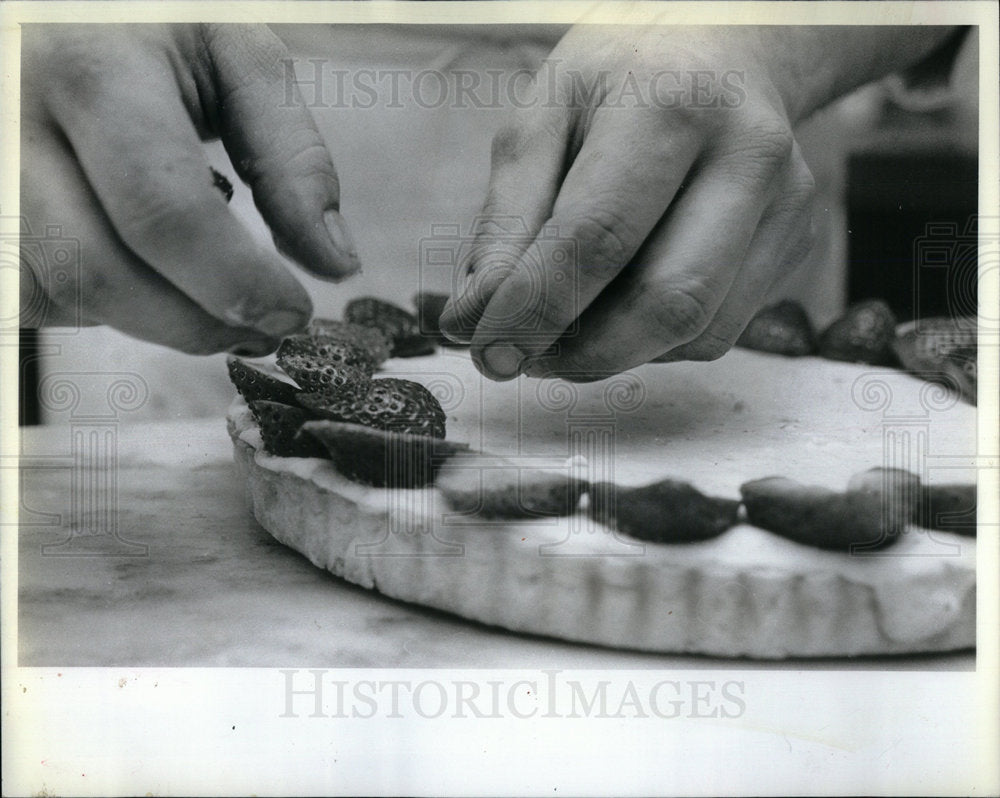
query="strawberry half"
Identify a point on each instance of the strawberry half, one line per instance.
(943, 350)
(864, 334)
(493, 487)
(326, 349)
(781, 329)
(279, 426)
(370, 340)
(380, 458)
(254, 383)
(389, 404)
(429, 308)
(319, 379)
(399, 326)
(870, 515)
(668, 511)
(950, 508)
(324, 366)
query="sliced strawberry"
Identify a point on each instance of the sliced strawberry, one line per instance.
(279, 426)
(897, 492)
(370, 340)
(943, 350)
(333, 383)
(254, 383)
(668, 511)
(327, 350)
(781, 329)
(858, 520)
(381, 458)
(429, 307)
(399, 326)
(951, 508)
(494, 487)
(323, 366)
(390, 404)
(864, 334)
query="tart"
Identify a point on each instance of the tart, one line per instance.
(574, 575)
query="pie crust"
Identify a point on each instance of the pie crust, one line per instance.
(747, 593)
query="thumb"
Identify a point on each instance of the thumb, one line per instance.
(276, 148)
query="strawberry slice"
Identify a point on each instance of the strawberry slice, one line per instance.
(370, 340)
(871, 514)
(325, 380)
(951, 508)
(322, 348)
(781, 329)
(382, 458)
(399, 326)
(254, 383)
(279, 426)
(429, 306)
(325, 366)
(495, 487)
(669, 511)
(864, 334)
(943, 350)
(390, 404)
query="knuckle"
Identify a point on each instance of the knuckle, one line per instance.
(677, 314)
(289, 175)
(153, 217)
(762, 146)
(602, 236)
(801, 188)
(772, 140)
(249, 53)
(528, 129)
(508, 144)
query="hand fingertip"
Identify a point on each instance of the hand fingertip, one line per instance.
(348, 262)
(281, 323)
(501, 361)
(254, 348)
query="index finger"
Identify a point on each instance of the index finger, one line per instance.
(132, 135)
(619, 185)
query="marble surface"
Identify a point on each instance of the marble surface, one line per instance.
(175, 572)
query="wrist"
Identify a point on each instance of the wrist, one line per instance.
(812, 66)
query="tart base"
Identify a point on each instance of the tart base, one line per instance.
(747, 593)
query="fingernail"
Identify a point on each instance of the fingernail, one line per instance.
(257, 348)
(281, 322)
(447, 318)
(537, 368)
(503, 361)
(336, 228)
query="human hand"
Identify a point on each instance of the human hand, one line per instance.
(659, 209)
(113, 119)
